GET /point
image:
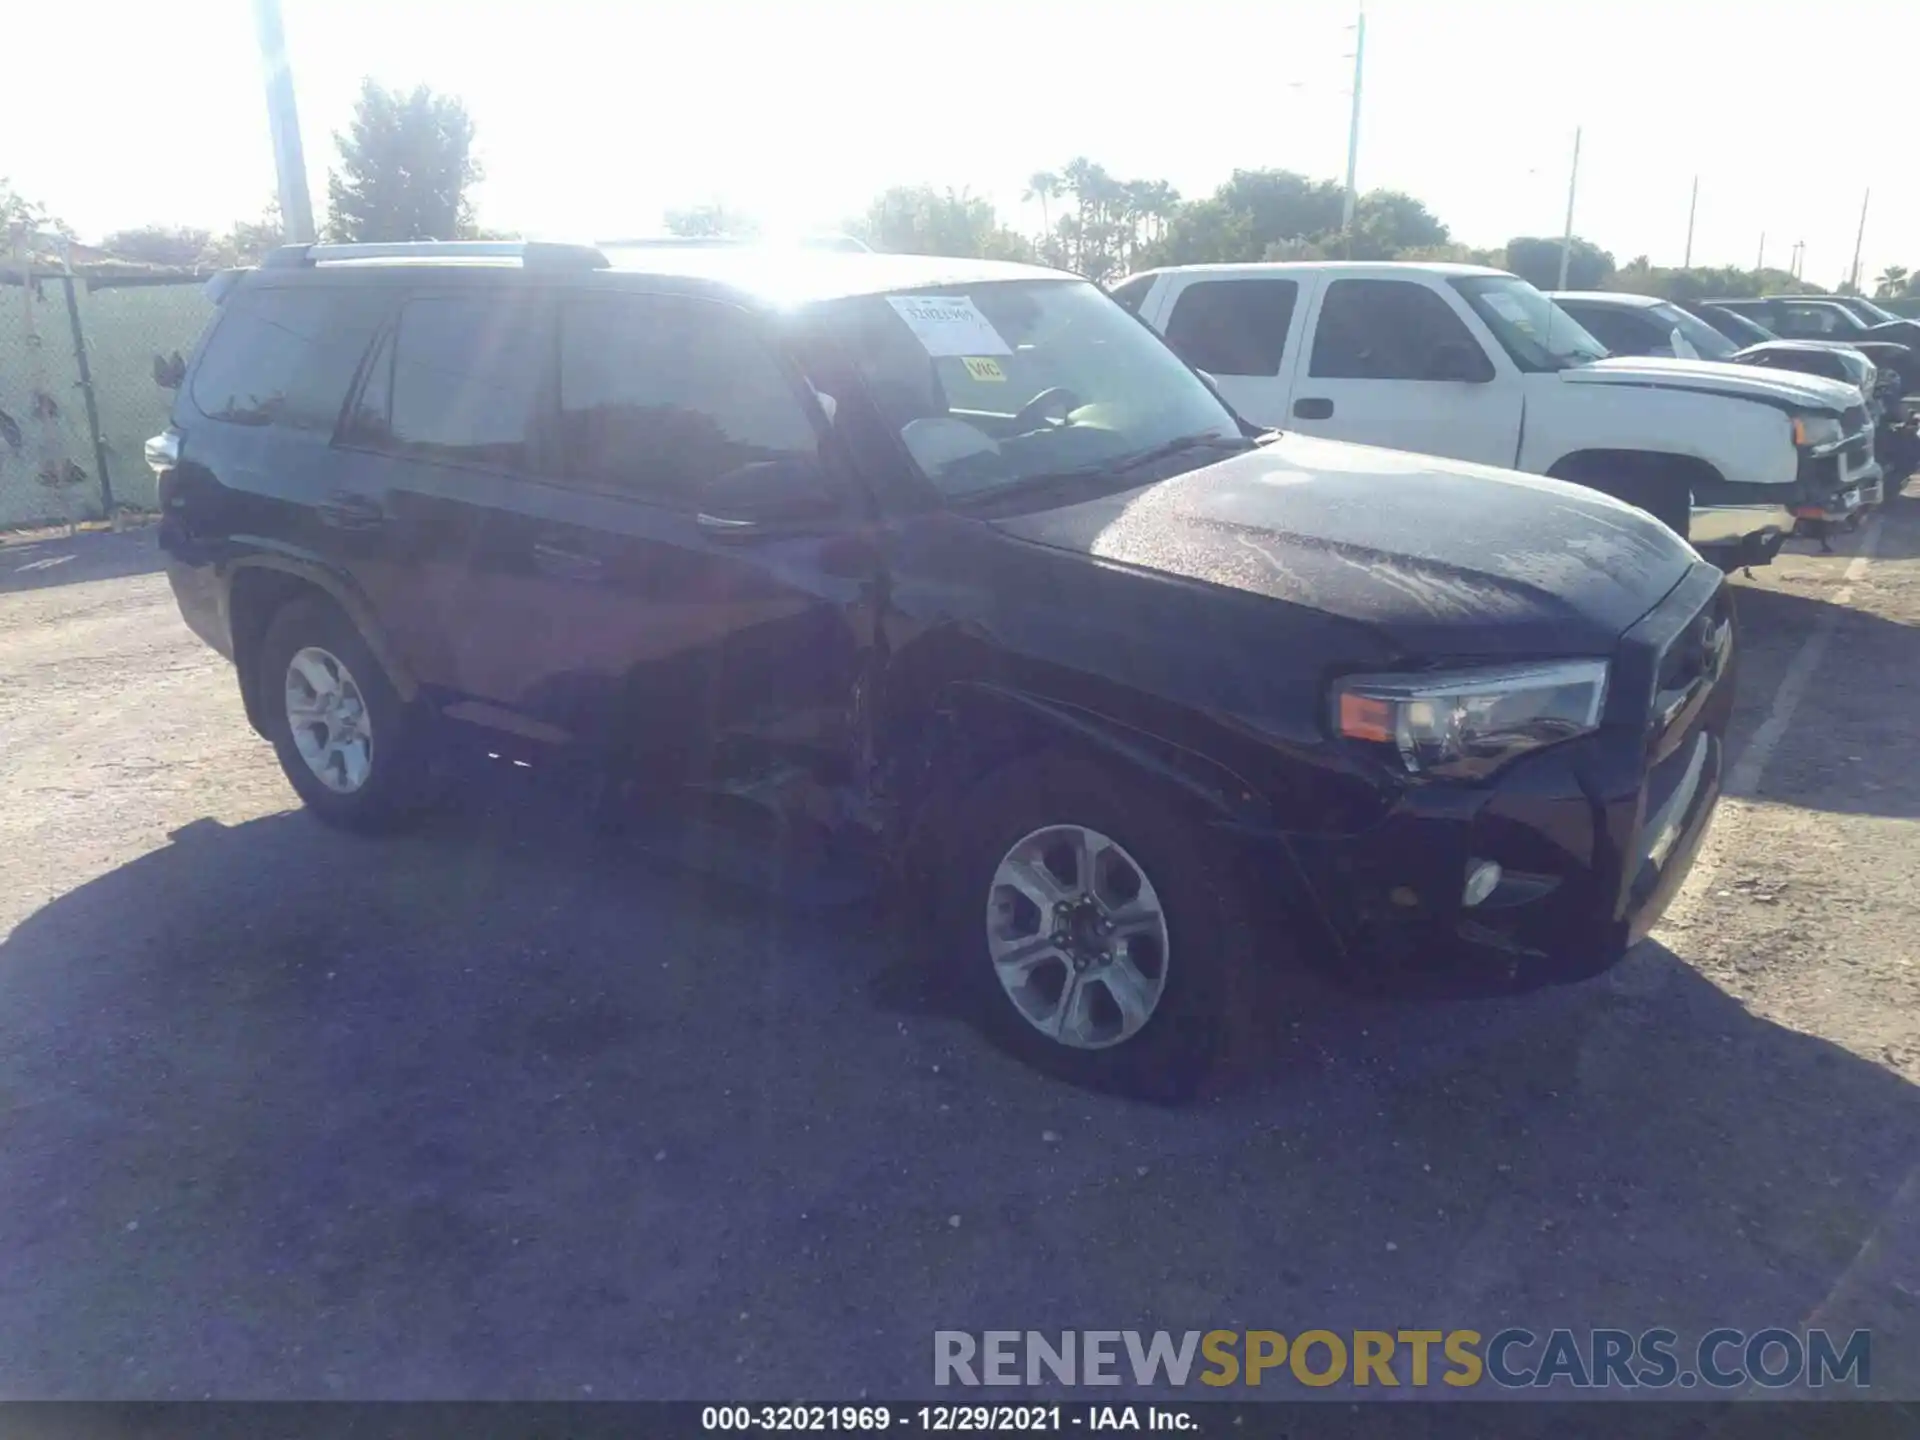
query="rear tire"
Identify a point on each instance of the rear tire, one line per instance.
(349, 745)
(1151, 892)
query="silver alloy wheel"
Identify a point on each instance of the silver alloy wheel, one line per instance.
(328, 717)
(1077, 937)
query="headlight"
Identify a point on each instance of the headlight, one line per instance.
(1818, 433)
(1468, 723)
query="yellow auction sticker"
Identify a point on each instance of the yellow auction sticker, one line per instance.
(981, 368)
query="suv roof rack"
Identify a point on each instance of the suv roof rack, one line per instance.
(542, 254)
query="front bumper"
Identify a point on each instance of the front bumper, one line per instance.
(1749, 526)
(1594, 837)
(1836, 488)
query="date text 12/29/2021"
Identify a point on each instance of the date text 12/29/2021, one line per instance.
(945, 1419)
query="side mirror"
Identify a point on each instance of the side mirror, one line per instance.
(793, 491)
(1455, 360)
(169, 371)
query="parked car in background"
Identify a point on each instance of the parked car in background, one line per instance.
(1647, 325)
(1896, 437)
(1828, 317)
(1890, 358)
(1474, 363)
(952, 564)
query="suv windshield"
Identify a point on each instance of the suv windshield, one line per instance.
(1706, 342)
(995, 385)
(1743, 330)
(1537, 333)
(1867, 310)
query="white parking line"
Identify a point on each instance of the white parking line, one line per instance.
(1744, 780)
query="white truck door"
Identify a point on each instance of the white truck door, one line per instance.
(1243, 330)
(1391, 362)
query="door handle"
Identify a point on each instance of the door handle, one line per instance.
(348, 510)
(1312, 407)
(563, 561)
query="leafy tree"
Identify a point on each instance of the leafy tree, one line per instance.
(1387, 222)
(919, 220)
(247, 241)
(702, 221)
(177, 245)
(1537, 259)
(1894, 281)
(406, 164)
(1044, 186)
(1283, 205)
(1202, 232)
(16, 209)
(1454, 253)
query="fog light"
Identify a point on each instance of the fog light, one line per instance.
(1483, 876)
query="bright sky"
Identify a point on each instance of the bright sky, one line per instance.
(594, 117)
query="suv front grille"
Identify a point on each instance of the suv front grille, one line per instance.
(1689, 667)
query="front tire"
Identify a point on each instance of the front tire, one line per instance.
(1092, 931)
(1646, 482)
(347, 742)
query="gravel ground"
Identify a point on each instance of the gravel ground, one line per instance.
(500, 1109)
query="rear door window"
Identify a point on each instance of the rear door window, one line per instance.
(1817, 321)
(1385, 330)
(1622, 331)
(466, 378)
(1233, 327)
(285, 356)
(1132, 294)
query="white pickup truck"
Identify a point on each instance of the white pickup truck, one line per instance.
(1476, 364)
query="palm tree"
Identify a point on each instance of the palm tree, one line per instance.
(1893, 280)
(1043, 185)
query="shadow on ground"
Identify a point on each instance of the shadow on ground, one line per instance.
(497, 1110)
(72, 560)
(1858, 703)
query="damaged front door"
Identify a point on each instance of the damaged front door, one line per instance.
(706, 593)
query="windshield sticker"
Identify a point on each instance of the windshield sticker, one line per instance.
(1510, 310)
(982, 369)
(948, 325)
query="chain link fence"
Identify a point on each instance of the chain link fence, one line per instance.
(78, 397)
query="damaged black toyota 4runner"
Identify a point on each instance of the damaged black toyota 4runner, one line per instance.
(958, 555)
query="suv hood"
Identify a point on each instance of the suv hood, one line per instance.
(1447, 560)
(1784, 389)
(1846, 355)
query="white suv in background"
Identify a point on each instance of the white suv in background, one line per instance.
(1476, 364)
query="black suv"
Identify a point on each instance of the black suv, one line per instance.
(955, 559)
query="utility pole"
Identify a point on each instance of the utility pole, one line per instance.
(1761, 263)
(1566, 239)
(1853, 276)
(283, 121)
(1353, 128)
(1686, 262)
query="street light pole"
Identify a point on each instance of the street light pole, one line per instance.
(283, 122)
(1853, 277)
(1353, 129)
(1566, 239)
(1686, 262)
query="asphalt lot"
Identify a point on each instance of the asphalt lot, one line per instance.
(506, 1109)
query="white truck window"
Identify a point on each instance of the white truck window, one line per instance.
(1233, 327)
(1385, 330)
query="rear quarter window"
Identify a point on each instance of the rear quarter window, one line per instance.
(284, 356)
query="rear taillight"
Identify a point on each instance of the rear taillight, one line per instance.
(163, 451)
